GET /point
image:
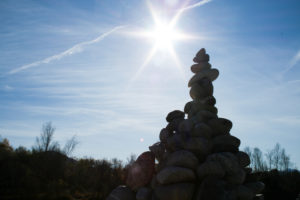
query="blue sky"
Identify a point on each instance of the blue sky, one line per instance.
(56, 65)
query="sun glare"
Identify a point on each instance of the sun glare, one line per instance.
(163, 35)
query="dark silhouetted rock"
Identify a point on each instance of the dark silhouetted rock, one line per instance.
(243, 158)
(173, 125)
(141, 171)
(210, 168)
(196, 68)
(255, 187)
(202, 130)
(172, 174)
(211, 74)
(226, 140)
(178, 191)
(182, 158)
(158, 149)
(121, 193)
(201, 89)
(144, 193)
(244, 193)
(164, 135)
(220, 126)
(174, 115)
(186, 125)
(175, 142)
(203, 116)
(199, 146)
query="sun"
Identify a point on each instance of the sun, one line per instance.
(163, 35)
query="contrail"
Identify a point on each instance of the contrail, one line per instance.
(75, 49)
(195, 5)
(292, 63)
(182, 10)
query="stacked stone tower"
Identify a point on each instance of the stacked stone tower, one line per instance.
(197, 157)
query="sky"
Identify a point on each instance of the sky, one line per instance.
(82, 66)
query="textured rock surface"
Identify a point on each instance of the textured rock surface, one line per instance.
(178, 191)
(173, 174)
(182, 158)
(197, 157)
(121, 193)
(141, 171)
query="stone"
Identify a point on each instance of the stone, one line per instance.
(178, 191)
(141, 171)
(164, 135)
(172, 174)
(244, 193)
(198, 145)
(201, 52)
(173, 125)
(158, 149)
(182, 158)
(201, 89)
(255, 187)
(196, 68)
(252, 177)
(213, 189)
(175, 142)
(201, 130)
(209, 100)
(243, 158)
(211, 74)
(228, 140)
(144, 193)
(210, 168)
(174, 115)
(203, 116)
(237, 178)
(121, 193)
(188, 107)
(196, 106)
(229, 162)
(201, 58)
(185, 125)
(220, 126)
(154, 182)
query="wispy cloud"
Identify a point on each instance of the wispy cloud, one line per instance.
(293, 62)
(195, 5)
(75, 49)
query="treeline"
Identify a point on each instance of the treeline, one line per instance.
(275, 158)
(275, 169)
(46, 171)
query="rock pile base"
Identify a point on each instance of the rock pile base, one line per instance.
(198, 158)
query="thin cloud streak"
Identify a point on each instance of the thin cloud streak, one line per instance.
(75, 49)
(195, 5)
(293, 62)
(182, 10)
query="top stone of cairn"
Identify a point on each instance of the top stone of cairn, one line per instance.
(201, 56)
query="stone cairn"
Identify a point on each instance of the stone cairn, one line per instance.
(197, 157)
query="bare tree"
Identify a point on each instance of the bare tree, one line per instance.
(284, 160)
(269, 155)
(45, 141)
(258, 161)
(276, 156)
(70, 146)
